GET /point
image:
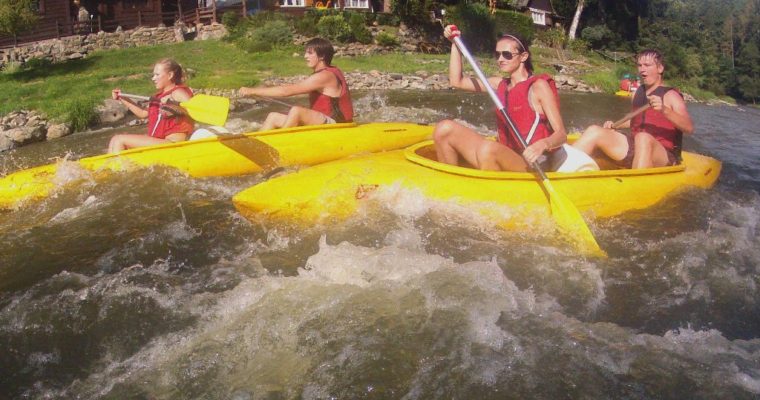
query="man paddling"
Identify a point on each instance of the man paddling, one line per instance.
(656, 134)
(328, 92)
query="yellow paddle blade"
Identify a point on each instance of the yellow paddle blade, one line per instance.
(571, 222)
(208, 109)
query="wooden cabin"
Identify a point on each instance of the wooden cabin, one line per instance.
(541, 11)
(59, 18)
(299, 6)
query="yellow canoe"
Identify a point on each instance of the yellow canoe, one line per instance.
(511, 199)
(623, 93)
(228, 155)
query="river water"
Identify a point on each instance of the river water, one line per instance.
(151, 285)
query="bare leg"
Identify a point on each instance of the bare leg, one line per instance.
(274, 120)
(453, 140)
(648, 152)
(128, 141)
(613, 143)
(300, 116)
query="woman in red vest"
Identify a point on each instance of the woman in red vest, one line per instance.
(532, 104)
(329, 97)
(167, 122)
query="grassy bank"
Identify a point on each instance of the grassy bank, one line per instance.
(69, 91)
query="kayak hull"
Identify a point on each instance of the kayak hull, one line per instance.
(227, 155)
(337, 189)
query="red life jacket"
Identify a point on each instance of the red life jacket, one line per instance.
(654, 122)
(338, 108)
(532, 125)
(161, 126)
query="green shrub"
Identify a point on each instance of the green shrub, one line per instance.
(335, 28)
(414, 13)
(12, 67)
(515, 24)
(275, 32)
(307, 24)
(597, 36)
(80, 113)
(37, 63)
(386, 39)
(358, 29)
(476, 24)
(388, 19)
(553, 37)
(230, 19)
(578, 46)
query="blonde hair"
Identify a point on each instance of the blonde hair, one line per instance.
(172, 66)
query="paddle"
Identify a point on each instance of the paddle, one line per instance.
(564, 212)
(204, 108)
(630, 115)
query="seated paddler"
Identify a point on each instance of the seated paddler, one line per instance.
(329, 96)
(167, 121)
(531, 101)
(656, 134)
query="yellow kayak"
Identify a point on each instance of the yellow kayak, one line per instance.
(511, 199)
(623, 93)
(228, 155)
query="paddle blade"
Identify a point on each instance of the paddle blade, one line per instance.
(571, 223)
(208, 109)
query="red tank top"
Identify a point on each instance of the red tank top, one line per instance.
(654, 122)
(338, 108)
(161, 126)
(532, 125)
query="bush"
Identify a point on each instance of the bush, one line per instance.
(578, 46)
(414, 13)
(273, 33)
(230, 19)
(37, 63)
(358, 30)
(554, 37)
(387, 19)
(307, 24)
(514, 23)
(335, 28)
(476, 24)
(597, 36)
(80, 113)
(386, 39)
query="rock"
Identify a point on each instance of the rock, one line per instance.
(5, 142)
(111, 111)
(56, 131)
(26, 134)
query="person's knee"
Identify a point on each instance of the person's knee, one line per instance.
(443, 130)
(488, 151)
(593, 132)
(643, 140)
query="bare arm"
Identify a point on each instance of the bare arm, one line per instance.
(131, 105)
(456, 78)
(674, 109)
(544, 101)
(314, 82)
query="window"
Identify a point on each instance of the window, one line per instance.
(356, 3)
(539, 17)
(291, 3)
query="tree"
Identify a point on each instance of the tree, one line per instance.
(576, 19)
(17, 16)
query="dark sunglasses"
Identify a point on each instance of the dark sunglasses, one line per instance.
(508, 55)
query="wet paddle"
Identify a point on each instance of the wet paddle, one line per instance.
(203, 108)
(630, 115)
(564, 212)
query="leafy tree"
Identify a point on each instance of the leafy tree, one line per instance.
(748, 66)
(17, 16)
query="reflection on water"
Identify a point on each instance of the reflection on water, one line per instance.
(151, 285)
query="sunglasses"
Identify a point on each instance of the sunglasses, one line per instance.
(508, 55)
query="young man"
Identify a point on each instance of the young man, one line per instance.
(328, 92)
(656, 134)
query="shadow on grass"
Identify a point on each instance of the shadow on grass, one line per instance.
(42, 69)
